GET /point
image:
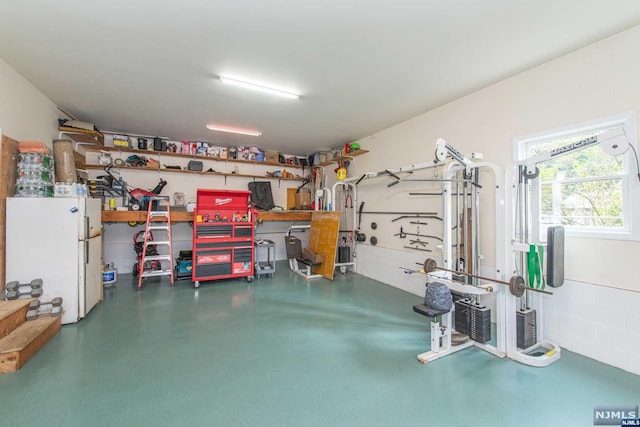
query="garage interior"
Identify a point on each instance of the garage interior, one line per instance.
(484, 155)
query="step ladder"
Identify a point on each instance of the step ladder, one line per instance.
(157, 220)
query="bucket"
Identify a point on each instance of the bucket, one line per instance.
(109, 275)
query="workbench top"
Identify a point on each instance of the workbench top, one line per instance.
(183, 216)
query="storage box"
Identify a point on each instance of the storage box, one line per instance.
(120, 141)
(303, 200)
(271, 156)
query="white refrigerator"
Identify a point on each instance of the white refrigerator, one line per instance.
(58, 240)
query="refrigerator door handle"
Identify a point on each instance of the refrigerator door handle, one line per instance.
(86, 252)
(87, 227)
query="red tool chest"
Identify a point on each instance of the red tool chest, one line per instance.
(223, 235)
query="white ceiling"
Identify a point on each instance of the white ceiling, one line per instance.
(150, 66)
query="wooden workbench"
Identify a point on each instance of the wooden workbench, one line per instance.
(182, 216)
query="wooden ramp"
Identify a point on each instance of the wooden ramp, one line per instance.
(19, 339)
(323, 239)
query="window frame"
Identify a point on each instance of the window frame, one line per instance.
(630, 182)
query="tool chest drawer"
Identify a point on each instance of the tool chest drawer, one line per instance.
(214, 231)
(225, 244)
(242, 231)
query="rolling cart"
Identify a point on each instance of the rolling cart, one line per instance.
(263, 268)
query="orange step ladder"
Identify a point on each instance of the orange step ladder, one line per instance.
(157, 220)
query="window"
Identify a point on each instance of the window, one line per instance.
(589, 192)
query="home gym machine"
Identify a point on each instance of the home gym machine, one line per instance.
(525, 339)
(345, 199)
(472, 316)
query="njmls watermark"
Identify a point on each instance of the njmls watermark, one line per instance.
(616, 416)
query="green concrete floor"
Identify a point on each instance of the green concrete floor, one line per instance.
(283, 352)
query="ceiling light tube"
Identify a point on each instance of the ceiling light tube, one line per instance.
(258, 87)
(231, 129)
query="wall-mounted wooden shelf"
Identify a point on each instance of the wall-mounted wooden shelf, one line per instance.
(189, 156)
(225, 174)
(82, 136)
(344, 158)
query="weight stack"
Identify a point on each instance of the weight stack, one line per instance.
(526, 328)
(344, 254)
(480, 328)
(462, 316)
(473, 320)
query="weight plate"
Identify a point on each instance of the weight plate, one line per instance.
(132, 223)
(516, 286)
(119, 162)
(373, 240)
(135, 207)
(430, 265)
(457, 338)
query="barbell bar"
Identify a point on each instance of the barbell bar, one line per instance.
(516, 283)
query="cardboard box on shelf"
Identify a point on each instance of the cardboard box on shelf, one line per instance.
(303, 199)
(271, 156)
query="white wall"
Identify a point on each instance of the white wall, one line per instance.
(25, 113)
(597, 81)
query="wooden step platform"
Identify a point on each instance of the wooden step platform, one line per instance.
(19, 339)
(13, 314)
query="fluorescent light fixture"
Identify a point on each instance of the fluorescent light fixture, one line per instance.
(259, 87)
(231, 129)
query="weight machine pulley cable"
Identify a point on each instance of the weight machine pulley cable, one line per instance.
(635, 153)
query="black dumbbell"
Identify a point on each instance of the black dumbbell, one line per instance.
(51, 308)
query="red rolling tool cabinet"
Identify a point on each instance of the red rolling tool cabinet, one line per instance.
(223, 235)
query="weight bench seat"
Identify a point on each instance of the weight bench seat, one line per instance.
(425, 310)
(308, 262)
